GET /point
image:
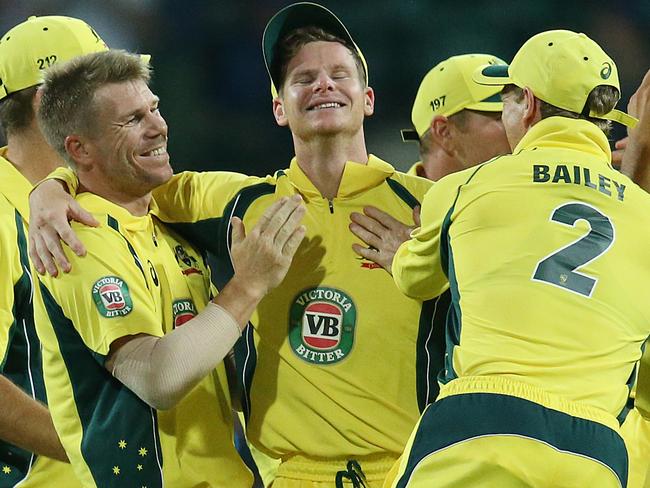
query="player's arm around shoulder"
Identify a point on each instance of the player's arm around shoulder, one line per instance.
(418, 267)
(191, 196)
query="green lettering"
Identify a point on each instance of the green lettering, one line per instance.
(561, 173)
(620, 190)
(603, 185)
(576, 175)
(540, 173)
(588, 182)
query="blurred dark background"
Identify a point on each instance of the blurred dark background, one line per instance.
(215, 92)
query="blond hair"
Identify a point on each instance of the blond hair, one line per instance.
(68, 100)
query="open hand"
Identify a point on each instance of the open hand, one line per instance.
(51, 209)
(261, 259)
(383, 234)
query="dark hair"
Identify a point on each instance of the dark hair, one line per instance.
(17, 110)
(600, 101)
(290, 44)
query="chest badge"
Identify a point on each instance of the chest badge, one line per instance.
(322, 323)
(184, 310)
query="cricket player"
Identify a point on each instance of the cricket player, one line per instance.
(545, 330)
(634, 153)
(457, 124)
(26, 428)
(321, 390)
(133, 337)
(456, 121)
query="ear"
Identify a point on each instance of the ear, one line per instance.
(36, 101)
(532, 110)
(369, 102)
(79, 151)
(441, 134)
(278, 112)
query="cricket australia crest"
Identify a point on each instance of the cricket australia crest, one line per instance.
(321, 325)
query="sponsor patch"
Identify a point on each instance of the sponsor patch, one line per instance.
(111, 296)
(321, 325)
(184, 310)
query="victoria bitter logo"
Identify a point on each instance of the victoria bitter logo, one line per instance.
(322, 324)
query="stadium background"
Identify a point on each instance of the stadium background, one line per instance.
(214, 89)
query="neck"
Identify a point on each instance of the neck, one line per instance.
(323, 160)
(437, 164)
(31, 155)
(137, 206)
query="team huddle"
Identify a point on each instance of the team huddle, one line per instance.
(477, 321)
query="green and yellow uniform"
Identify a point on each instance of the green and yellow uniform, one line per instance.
(138, 277)
(329, 364)
(545, 252)
(636, 433)
(20, 351)
(417, 169)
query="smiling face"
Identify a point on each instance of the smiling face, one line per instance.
(323, 94)
(129, 150)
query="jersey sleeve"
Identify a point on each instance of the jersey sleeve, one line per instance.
(418, 264)
(192, 196)
(105, 296)
(7, 252)
(67, 176)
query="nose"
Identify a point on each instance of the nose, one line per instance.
(157, 126)
(323, 83)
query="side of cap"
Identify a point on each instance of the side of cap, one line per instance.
(39, 42)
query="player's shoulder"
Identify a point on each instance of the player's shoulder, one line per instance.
(415, 185)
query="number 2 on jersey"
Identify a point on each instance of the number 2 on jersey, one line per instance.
(560, 268)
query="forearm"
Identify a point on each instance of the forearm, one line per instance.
(26, 423)
(162, 370)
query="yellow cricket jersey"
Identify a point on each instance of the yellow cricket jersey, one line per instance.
(329, 364)
(138, 277)
(546, 254)
(20, 352)
(417, 170)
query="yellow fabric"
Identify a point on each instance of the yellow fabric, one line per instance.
(636, 433)
(417, 170)
(449, 88)
(67, 176)
(14, 189)
(495, 225)
(497, 462)
(38, 43)
(561, 67)
(642, 398)
(301, 472)
(301, 401)
(168, 286)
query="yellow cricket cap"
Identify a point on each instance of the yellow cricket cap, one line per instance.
(449, 88)
(561, 67)
(294, 16)
(36, 44)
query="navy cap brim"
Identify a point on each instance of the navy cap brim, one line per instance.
(410, 135)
